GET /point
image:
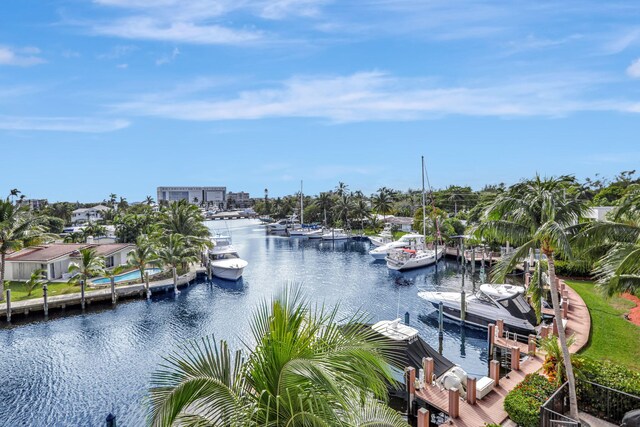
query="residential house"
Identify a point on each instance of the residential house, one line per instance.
(55, 259)
(85, 215)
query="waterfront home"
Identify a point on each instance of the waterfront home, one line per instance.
(84, 215)
(402, 223)
(55, 259)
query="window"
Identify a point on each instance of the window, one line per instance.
(109, 262)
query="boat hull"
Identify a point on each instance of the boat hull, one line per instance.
(413, 263)
(228, 269)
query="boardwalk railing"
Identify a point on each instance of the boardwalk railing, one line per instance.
(553, 410)
(605, 403)
(594, 399)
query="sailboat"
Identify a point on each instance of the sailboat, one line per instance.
(402, 259)
(304, 230)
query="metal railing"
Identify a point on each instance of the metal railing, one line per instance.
(553, 410)
(605, 403)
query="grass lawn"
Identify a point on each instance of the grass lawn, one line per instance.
(19, 293)
(612, 336)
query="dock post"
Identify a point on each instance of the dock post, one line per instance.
(45, 299)
(471, 390)
(473, 259)
(454, 403)
(500, 327)
(527, 279)
(406, 318)
(532, 345)
(494, 371)
(146, 284)
(515, 358)
(427, 367)
(410, 378)
(9, 305)
(440, 318)
(491, 336)
(113, 291)
(423, 417)
(565, 309)
(82, 302)
(554, 331)
(463, 306)
(110, 421)
(544, 332)
(175, 280)
(209, 270)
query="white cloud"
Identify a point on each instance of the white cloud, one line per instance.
(621, 42)
(165, 59)
(61, 124)
(633, 70)
(148, 28)
(377, 96)
(122, 66)
(22, 57)
(117, 52)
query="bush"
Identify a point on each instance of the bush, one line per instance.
(524, 401)
(611, 375)
(573, 268)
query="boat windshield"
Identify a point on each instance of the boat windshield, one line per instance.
(484, 299)
(228, 255)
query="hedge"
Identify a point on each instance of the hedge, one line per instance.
(573, 268)
(611, 375)
(524, 401)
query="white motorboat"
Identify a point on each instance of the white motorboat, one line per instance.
(283, 224)
(411, 241)
(481, 309)
(224, 259)
(408, 259)
(386, 236)
(335, 234)
(501, 290)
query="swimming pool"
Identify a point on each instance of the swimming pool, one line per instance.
(131, 275)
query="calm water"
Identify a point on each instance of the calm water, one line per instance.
(74, 370)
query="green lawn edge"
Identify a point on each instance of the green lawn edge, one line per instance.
(612, 337)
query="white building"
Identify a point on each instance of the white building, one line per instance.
(239, 200)
(209, 196)
(55, 259)
(84, 215)
(599, 213)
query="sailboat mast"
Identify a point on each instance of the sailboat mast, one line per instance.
(424, 210)
(301, 205)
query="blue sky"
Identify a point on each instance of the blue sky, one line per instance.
(121, 96)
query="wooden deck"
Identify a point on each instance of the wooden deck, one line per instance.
(490, 409)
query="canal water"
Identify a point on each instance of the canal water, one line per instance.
(73, 370)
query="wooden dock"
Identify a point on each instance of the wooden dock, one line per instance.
(490, 409)
(137, 290)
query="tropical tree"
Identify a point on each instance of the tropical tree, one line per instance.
(142, 256)
(36, 279)
(149, 200)
(534, 214)
(360, 210)
(94, 230)
(187, 220)
(343, 208)
(91, 265)
(174, 252)
(553, 365)
(18, 228)
(341, 189)
(382, 202)
(75, 237)
(615, 245)
(325, 203)
(305, 370)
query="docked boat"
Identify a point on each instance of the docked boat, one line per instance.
(335, 234)
(411, 241)
(224, 259)
(283, 224)
(501, 290)
(481, 309)
(408, 259)
(386, 236)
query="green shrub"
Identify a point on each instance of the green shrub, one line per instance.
(524, 401)
(573, 268)
(611, 375)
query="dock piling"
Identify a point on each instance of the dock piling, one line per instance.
(410, 378)
(463, 306)
(427, 366)
(423, 417)
(494, 371)
(406, 318)
(500, 327)
(82, 301)
(471, 390)
(146, 284)
(454, 403)
(9, 305)
(531, 350)
(491, 334)
(473, 259)
(175, 280)
(111, 420)
(440, 318)
(45, 298)
(515, 358)
(113, 291)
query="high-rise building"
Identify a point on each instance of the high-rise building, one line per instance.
(201, 196)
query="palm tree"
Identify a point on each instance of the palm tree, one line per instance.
(187, 220)
(341, 189)
(149, 200)
(112, 199)
(174, 252)
(361, 211)
(616, 246)
(343, 208)
(537, 214)
(324, 202)
(37, 279)
(142, 256)
(382, 202)
(305, 370)
(18, 228)
(14, 193)
(91, 265)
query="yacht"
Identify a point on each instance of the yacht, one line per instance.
(224, 259)
(407, 259)
(382, 239)
(497, 291)
(482, 309)
(307, 231)
(413, 241)
(283, 224)
(335, 234)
